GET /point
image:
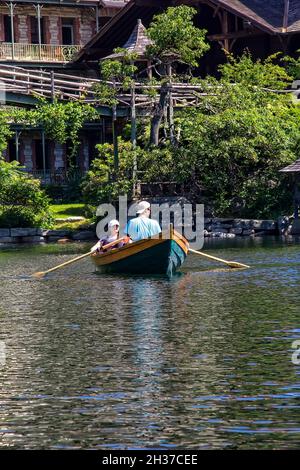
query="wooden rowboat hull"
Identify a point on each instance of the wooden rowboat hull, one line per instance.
(151, 256)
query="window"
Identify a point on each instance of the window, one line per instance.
(7, 28)
(35, 30)
(39, 154)
(67, 26)
(12, 154)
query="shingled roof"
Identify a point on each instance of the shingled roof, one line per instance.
(271, 16)
(277, 16)
(136, 43)
(293, 168)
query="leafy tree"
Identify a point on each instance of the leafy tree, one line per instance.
(103, 181)
(5, 132)
(118, 74)
(175, 39)
(61, 121)
(233, 145)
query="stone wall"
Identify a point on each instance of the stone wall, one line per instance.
(230, 228)
(215, 227)
(38, 235)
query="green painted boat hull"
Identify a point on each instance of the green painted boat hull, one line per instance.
(164, 259)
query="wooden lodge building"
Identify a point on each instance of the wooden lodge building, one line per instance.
(45, 35)
(74, 35)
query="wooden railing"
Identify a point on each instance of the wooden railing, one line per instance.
(37, 53)
(62, 86)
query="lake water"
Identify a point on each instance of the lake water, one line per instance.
(202, 361)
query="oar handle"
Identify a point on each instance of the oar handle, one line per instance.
(111, 244)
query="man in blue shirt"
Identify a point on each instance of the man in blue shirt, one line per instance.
(142, 226)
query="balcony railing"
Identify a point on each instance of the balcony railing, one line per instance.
(36, 52)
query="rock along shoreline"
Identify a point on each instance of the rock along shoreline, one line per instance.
(213, 227)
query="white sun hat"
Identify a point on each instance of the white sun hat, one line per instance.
(113, 222)
(142, 206)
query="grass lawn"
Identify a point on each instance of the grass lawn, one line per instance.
(63, 211)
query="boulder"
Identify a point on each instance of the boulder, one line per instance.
(242, 224)
(219, 234)
(56, 233)
(4, 232)
(33, 239)
(221, 228)
(295, 227)
(220, 220)
(10, 239)
(52, 239)
(84, 235)
(71, 219)
(236, 231)
(23, 232)
(62, 241)
(247, 233)
(267, 225)
(261, 233)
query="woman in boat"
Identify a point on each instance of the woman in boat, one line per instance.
(112, 235)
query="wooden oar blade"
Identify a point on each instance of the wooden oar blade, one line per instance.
(39, 275)
(235, 265)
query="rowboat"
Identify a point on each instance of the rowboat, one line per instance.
(156, 255)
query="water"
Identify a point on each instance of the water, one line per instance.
(203, 361)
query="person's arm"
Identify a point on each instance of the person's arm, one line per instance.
(96, 247)
(157, 226)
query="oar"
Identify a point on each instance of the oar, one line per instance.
(232, 264)
(43, 273)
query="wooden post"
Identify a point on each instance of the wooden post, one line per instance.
(11, 6)
(133, 139)
(225, 30)
(115, 141)
(52, 86)
(17, 135)
(97, 18)
(44, 153)
(297, 196)
(38, 8)
(133, 116)
(149, 70)
(170, 106)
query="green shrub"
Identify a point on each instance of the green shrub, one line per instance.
(103, 182)
(22, 201)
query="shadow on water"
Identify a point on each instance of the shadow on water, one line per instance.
(112, 362)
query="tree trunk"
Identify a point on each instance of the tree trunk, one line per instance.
(159, 112)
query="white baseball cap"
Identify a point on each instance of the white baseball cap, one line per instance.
(142, 206)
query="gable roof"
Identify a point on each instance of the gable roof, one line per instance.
(272, 16)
